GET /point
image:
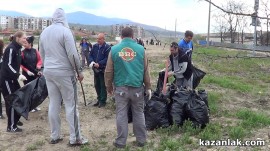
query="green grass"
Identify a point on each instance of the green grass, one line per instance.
(251, 119)
(213, 131)
(237, 132)
(214, 99)
(37, 145)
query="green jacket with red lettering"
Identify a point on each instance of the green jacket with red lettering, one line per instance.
(128, 60)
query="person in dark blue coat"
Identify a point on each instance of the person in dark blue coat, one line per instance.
(98, 60)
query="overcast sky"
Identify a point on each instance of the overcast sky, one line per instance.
(190, 14)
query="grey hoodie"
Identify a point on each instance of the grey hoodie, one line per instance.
(57, 47)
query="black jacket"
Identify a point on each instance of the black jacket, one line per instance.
(183, 57)
(11, 62)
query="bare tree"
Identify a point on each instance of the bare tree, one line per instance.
(265, 4)
(221, 26)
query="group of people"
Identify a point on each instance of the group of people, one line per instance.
(11, 60)
(121, 70)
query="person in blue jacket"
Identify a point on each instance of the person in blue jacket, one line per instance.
(98, 60)
(186, 46)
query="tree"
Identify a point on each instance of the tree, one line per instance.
(266, 10)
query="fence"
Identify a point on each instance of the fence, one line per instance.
(236, 46)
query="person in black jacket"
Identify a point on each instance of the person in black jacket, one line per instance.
(1, 59)
(10, 74)
(31, 63)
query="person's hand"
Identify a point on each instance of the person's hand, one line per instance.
(110, 91)
(22, 78)
(30, 73)
(149, 94)
(80, 77)
(39, 73)
(92, 64)
(96, 65)
(171, 73)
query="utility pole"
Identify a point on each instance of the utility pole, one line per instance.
(175, 28)
(209, 16)
(256, 7)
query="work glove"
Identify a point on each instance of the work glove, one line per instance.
(170, 73)
(149, 94)
(92, 64)
(22, 78)
(30, 73)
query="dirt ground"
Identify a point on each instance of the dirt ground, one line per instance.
(97, 124)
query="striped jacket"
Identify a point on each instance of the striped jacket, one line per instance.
(10, 69)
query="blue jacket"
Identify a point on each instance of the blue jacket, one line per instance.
(100, 55)
(186, 47)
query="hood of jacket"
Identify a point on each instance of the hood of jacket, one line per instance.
(59, 16)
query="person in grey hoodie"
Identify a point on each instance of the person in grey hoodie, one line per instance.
(60, 59)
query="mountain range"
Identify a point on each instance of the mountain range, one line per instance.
(84, 18)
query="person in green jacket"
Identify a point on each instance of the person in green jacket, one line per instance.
(127, 70)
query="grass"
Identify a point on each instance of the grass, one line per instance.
(37, 145)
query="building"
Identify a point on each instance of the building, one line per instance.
(24, 23)
(117, 29)
(6, 22)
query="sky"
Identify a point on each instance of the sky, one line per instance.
(188, 14)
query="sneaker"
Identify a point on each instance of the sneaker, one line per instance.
(101, 105)
(96, 104)
(55, 141)
(139, 144)
(118, 145)
(38, 109)
(14, 130)
(19, 123)
(82, 141)
(34, 110)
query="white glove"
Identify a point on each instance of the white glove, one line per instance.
(92, 64)
(30, 73)
(149, 94)
(22, 78)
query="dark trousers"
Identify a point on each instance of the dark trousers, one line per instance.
(85, 56)
(1, 112)
(8, 87)
(100, 87)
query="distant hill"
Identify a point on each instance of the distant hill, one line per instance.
(100, 23)
(12, 13)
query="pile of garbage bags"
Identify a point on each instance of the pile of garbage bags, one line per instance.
(177, 105)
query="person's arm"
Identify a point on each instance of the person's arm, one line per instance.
(9, 53)
(42, 52)
(72, 51)
(103, 62)
(146, 78)
(39, 61)
(109, 72)
(183, 68)
(91, 57)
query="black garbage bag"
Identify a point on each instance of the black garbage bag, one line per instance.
(197, 111)
(160, 83)
(204, 96)
(156, 113)
(29, 96)
(197, 76)
(178, 107)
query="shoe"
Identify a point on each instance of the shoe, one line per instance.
(34, 110)
(19, 123)
(14, 130)
(139, 144)
(38, 109)
(101, 105)
(55, 141)
(82, 141)
(118, 145)
(96, 104)
(2, 117)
